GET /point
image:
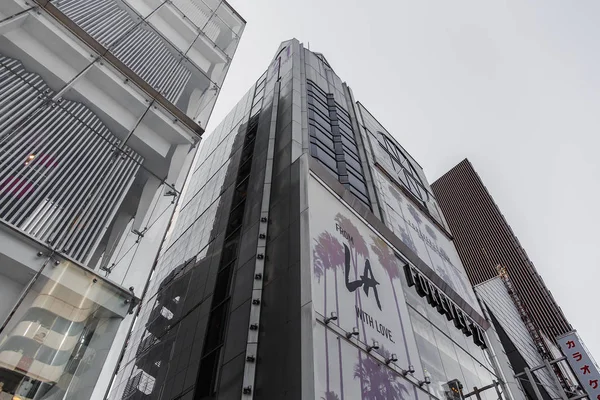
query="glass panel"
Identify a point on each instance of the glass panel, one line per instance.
(76, 180)
(449, 357)
(430, 356)
(167, 61)
(219, 30)
(197, 12)
(145, 51)
(175, 301)
(230, 18)
(467, 365)
(56, 342)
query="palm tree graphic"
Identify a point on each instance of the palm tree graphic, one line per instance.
(328, 255)
(378, 381)
(415, 215)
(387, 259)
(330, 396)
(431, 232)
(404, 233)
(358, 247)
(395, 193)
(455, 272)
(407, 240)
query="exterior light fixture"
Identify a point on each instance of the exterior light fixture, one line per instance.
(409, 370)
(393, 358)
(353, 333)
(333, 317)
(375, 346)
(425, 381)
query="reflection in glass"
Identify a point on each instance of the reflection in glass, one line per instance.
(429, 353)
(444, 359)
(449, 358)
(176, 293)
(56, 343)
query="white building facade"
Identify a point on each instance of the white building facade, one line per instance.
(102, 105)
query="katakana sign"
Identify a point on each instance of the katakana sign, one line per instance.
(581, 363)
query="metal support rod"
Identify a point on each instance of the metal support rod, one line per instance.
(538, 395)
(561, 391)
(498, 392)
(479, 390)
(25, 291)
(542, 366)
(581, 396)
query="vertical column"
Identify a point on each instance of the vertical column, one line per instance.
(253, 335)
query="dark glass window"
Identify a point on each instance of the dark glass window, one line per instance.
(351, 162)
(325, 158)
(359, 195)
(326, 139)
(357, 182)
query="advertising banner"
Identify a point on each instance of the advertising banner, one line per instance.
(424, 238)
(581, 363)
(357, 276)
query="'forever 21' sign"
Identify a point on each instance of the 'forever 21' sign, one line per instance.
(444, 306)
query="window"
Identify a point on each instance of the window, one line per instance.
(404, 169)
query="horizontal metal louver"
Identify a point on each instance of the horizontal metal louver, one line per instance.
(200, 15)
(61, 179)
(134, 43)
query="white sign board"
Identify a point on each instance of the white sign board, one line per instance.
(424, 238)
(581, 363)
(357, 276)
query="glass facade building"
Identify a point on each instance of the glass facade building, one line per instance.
(102, 106)
(307, 259)
(519, 345)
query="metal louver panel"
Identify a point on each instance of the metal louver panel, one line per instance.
(199, 16)
(61, 179)
(137, 45)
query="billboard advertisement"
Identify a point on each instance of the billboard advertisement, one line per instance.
(582, 364)
(356, 275)
(425, 239)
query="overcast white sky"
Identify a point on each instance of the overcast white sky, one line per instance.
(513, 86)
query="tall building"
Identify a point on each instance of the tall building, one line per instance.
(308, 260)
(102, 105)
(521, 308)
(484, 240)
(519, 345)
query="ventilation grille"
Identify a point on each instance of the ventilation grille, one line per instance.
(60, 178)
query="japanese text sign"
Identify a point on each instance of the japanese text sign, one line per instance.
(581, 363)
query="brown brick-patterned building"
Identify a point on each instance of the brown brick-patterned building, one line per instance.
(484, 239)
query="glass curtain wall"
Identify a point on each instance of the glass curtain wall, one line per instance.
(166, 346)
(56, 341)
(446, 353)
